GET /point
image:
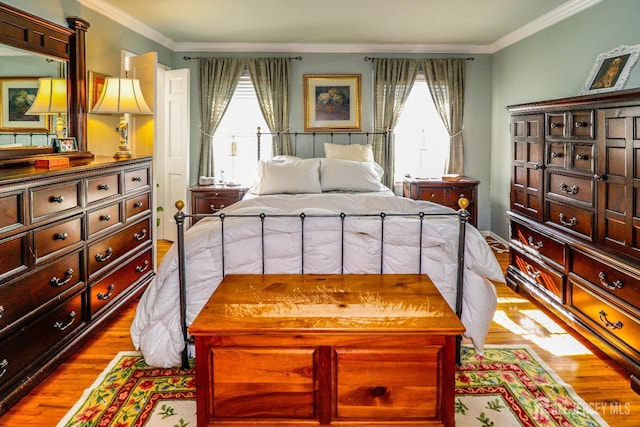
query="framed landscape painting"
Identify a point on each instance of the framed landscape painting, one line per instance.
(332, 102)
(16, 97)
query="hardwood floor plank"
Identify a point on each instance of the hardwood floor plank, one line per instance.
(602, 384)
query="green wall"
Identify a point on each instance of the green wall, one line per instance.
(553, 63)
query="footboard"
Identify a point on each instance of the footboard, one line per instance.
(181, 216)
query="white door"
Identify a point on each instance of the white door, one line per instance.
(173, 154)
(142, 127)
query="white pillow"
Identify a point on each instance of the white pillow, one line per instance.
(291, 176)
(285, 158)
(348, 175)
(355, 152)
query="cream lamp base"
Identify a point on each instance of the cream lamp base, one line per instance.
(124, 152)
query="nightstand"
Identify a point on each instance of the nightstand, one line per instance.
(206, 199)
(445, 193)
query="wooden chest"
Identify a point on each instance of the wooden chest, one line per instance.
(326, 350)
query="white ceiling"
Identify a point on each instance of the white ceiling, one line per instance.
(472, 26)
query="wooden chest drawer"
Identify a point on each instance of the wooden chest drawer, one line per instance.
(102, 187)
(436, 195)
(11, 211)
(545, 278)
(555, 125)
(571, 188)
(136, 205)
(571, 219)
(13, 255)
(538, 244)
(582, 124)
(38, 339)
(135, 179)
(618, 284)
(116, 283)
(103, 218)
(103, 252)
(53, 199)
(583, 157)
(56, 237)
(557, 154)
(26, 294)
(607, 317)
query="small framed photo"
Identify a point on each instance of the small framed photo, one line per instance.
(65, 145)
(96, 83)
(611, 70)
(332, 102)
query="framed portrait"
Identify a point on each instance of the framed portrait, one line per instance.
(16, 97)
(65, 145)
(96, 83)
(611, 70)
(332, 102)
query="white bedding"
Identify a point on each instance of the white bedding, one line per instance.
(156, 329)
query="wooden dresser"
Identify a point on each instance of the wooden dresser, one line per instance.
(208, 199)
(338, 350)
(76, 246)
(445, 193)
(575, 216)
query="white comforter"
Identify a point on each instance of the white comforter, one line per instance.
(156, 329)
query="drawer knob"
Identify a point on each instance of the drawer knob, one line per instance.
(581, 124)
(60, 236)
(556, 125)
(137, 205)
(556, 154)
(56, 199)
(535, 245)
(611, 286)
(607, 323)
(581, 157)
(568, 222)
(136, 179)
(141, 235)
(142, 268)
(569, 190)
(59, 282)
(103, 187)
(3, 366)
(110, 290)
(70, 319)
(106, 256)
(106, 217)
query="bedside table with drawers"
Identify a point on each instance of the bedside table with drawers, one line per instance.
(445, 193)
(207, 199)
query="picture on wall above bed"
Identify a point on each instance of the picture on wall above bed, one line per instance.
(611, 70)
(332, 102)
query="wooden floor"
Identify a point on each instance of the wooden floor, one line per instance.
(601, 383)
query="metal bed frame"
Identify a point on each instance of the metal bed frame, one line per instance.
(180, 218)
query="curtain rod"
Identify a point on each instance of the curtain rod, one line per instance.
(187, 58)
(469, 58)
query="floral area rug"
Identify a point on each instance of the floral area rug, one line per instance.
(507, 386)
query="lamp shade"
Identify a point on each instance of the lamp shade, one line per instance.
(51, 97)
(121, 96)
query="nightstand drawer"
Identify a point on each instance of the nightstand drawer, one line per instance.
(211, 199)
(436, 195)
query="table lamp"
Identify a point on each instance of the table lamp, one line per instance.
(51, 98)
(121, 96)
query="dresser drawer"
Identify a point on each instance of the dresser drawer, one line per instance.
(56, 237)
(607, 317)
(556, 124)
(582, 124)
(38, 340)
(538, 244)
(102, 187)
(103, 218)
(388, 383)
(571, 188)
(571, 219)
(135, 179)
(46, 201)
(103, 252)
(583, 157)
(606, 277)
(136, 205)
(546, 279)
(116, 283)
(557, 154)
(11, 211)
(26, 294)
(13, 254)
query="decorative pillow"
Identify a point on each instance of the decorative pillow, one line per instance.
(284, 158)
(355, 152)
(290, 176)
(349, 175)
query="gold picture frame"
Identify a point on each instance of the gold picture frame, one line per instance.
(16, 96)
(332, 102)
(96, 83)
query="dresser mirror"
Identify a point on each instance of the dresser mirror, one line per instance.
(30, 48)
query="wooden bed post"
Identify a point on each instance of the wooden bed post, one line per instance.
(179, 217)
(463, 214)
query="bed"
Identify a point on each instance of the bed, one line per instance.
(315, 216)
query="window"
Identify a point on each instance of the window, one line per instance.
(239, 124)
(421, 139)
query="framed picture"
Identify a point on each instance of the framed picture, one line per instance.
(65, 145)
(611, 70)
(96, 83)
(332, 102)
(16, 96)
